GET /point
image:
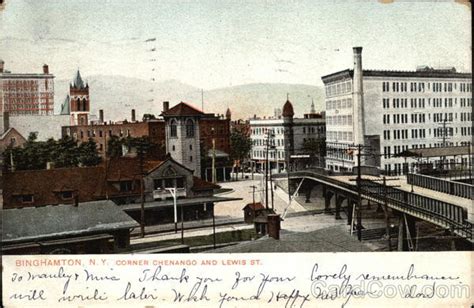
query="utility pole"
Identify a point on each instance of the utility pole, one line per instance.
(387, 218)
(142, 196)
(253, 198)
(271, 139)
(266, 173)
(469, 161)
(359, 194)
(202, 100)
(213, 166)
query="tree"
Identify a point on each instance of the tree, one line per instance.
(114, 147)
(63, 153)
(240, 146)
(148, 116)
(88, 154)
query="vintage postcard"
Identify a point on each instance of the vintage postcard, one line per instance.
(236, 153)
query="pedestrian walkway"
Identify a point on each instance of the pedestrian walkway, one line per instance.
(401, 183)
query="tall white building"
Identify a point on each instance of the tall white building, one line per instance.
(288, 136)
(392, 111)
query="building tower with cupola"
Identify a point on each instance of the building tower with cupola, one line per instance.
(79, 102)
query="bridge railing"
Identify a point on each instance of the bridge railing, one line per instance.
(450, 215)
(442, 185)
(438, 211)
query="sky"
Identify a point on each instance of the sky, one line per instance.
(214, 44)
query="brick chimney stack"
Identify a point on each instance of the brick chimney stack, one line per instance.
(101, 116)
(273, 223)
(45, 69)
(2, 64)
(166, 106)
(6, 121)
(133, 115)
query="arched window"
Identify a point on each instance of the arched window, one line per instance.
(189, 128)
(78, 104)
(173, 128)
(84, 105)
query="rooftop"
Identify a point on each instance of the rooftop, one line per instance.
(425, 73)
(182, 109)
(333, 239)
(42, 223)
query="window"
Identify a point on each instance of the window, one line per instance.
(180, 182)
(189, 128)
(126, 186)
(27, 198)
(190, 158)
(173, 128)
(66, 195)
(169, 183)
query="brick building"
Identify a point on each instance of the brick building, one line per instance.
(117, 180)
(102, 131)
(26, 93)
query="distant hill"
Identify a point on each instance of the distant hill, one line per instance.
(117, 95)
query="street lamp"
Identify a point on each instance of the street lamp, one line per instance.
(172, 191)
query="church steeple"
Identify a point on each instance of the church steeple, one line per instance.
(313, 110)
(79, 104)
(78, 83)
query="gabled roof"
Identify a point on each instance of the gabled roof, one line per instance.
(128, 168)
(254, 206)
(10, 131)
(182, 109)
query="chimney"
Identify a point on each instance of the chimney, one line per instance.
(2, 63)
(166, 106)
(101, 116)
(273, 223)
(358, 88)
(6, 121)
(133, 115)
(45, 69)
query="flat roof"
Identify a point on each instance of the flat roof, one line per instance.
(437, 152)
(434, 73)
(179, 202)
(333, 239)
